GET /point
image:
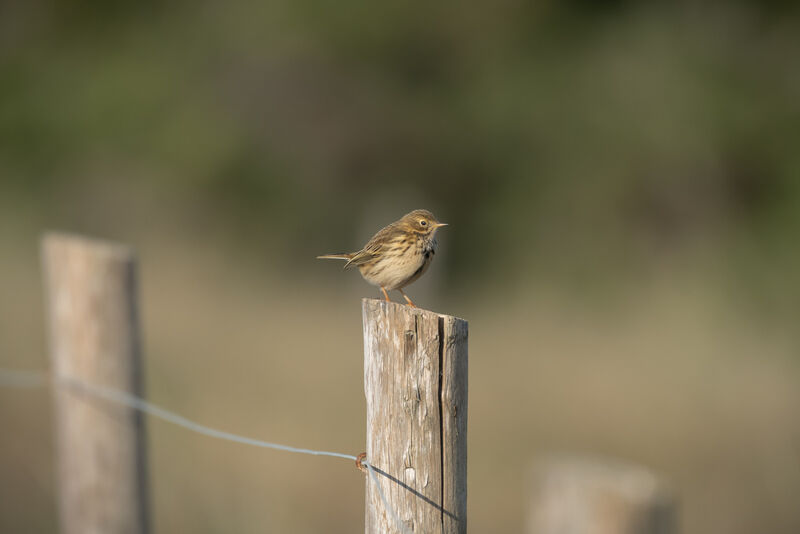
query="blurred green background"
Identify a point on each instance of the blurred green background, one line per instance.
(622, 183)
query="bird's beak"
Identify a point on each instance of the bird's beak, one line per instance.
(440, 224)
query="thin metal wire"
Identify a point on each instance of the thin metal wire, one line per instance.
(13, 378)
(142, 405)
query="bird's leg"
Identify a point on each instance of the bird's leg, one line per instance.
(385, 294)
(407, 299)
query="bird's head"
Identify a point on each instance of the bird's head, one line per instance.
(421, 222)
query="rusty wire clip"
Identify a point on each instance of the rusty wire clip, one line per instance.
(359, 464)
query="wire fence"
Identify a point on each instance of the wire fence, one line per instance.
(31, 379)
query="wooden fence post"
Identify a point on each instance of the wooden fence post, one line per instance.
(94, 338)
(593, 496)
(415, 381)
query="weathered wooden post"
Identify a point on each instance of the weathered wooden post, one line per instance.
(94, 338)
(415, 381)
(594, 496)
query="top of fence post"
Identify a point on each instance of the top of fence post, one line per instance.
(94, 338)
(415, 382)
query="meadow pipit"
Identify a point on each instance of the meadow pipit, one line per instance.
(398, 254)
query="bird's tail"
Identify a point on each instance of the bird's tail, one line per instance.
(342, 256)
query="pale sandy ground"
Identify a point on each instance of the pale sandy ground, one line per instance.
(666, 375)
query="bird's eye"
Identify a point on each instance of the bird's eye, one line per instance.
(423, 222)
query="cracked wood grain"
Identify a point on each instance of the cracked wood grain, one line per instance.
(415, 382)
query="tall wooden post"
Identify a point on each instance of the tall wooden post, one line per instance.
(415, 381)
(597, 496)
(94, 338)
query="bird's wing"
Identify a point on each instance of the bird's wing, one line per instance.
(374, 246)
(359, 258)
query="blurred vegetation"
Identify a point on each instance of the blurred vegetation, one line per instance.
(582, 140)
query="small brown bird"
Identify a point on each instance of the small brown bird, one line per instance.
(398, 254)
